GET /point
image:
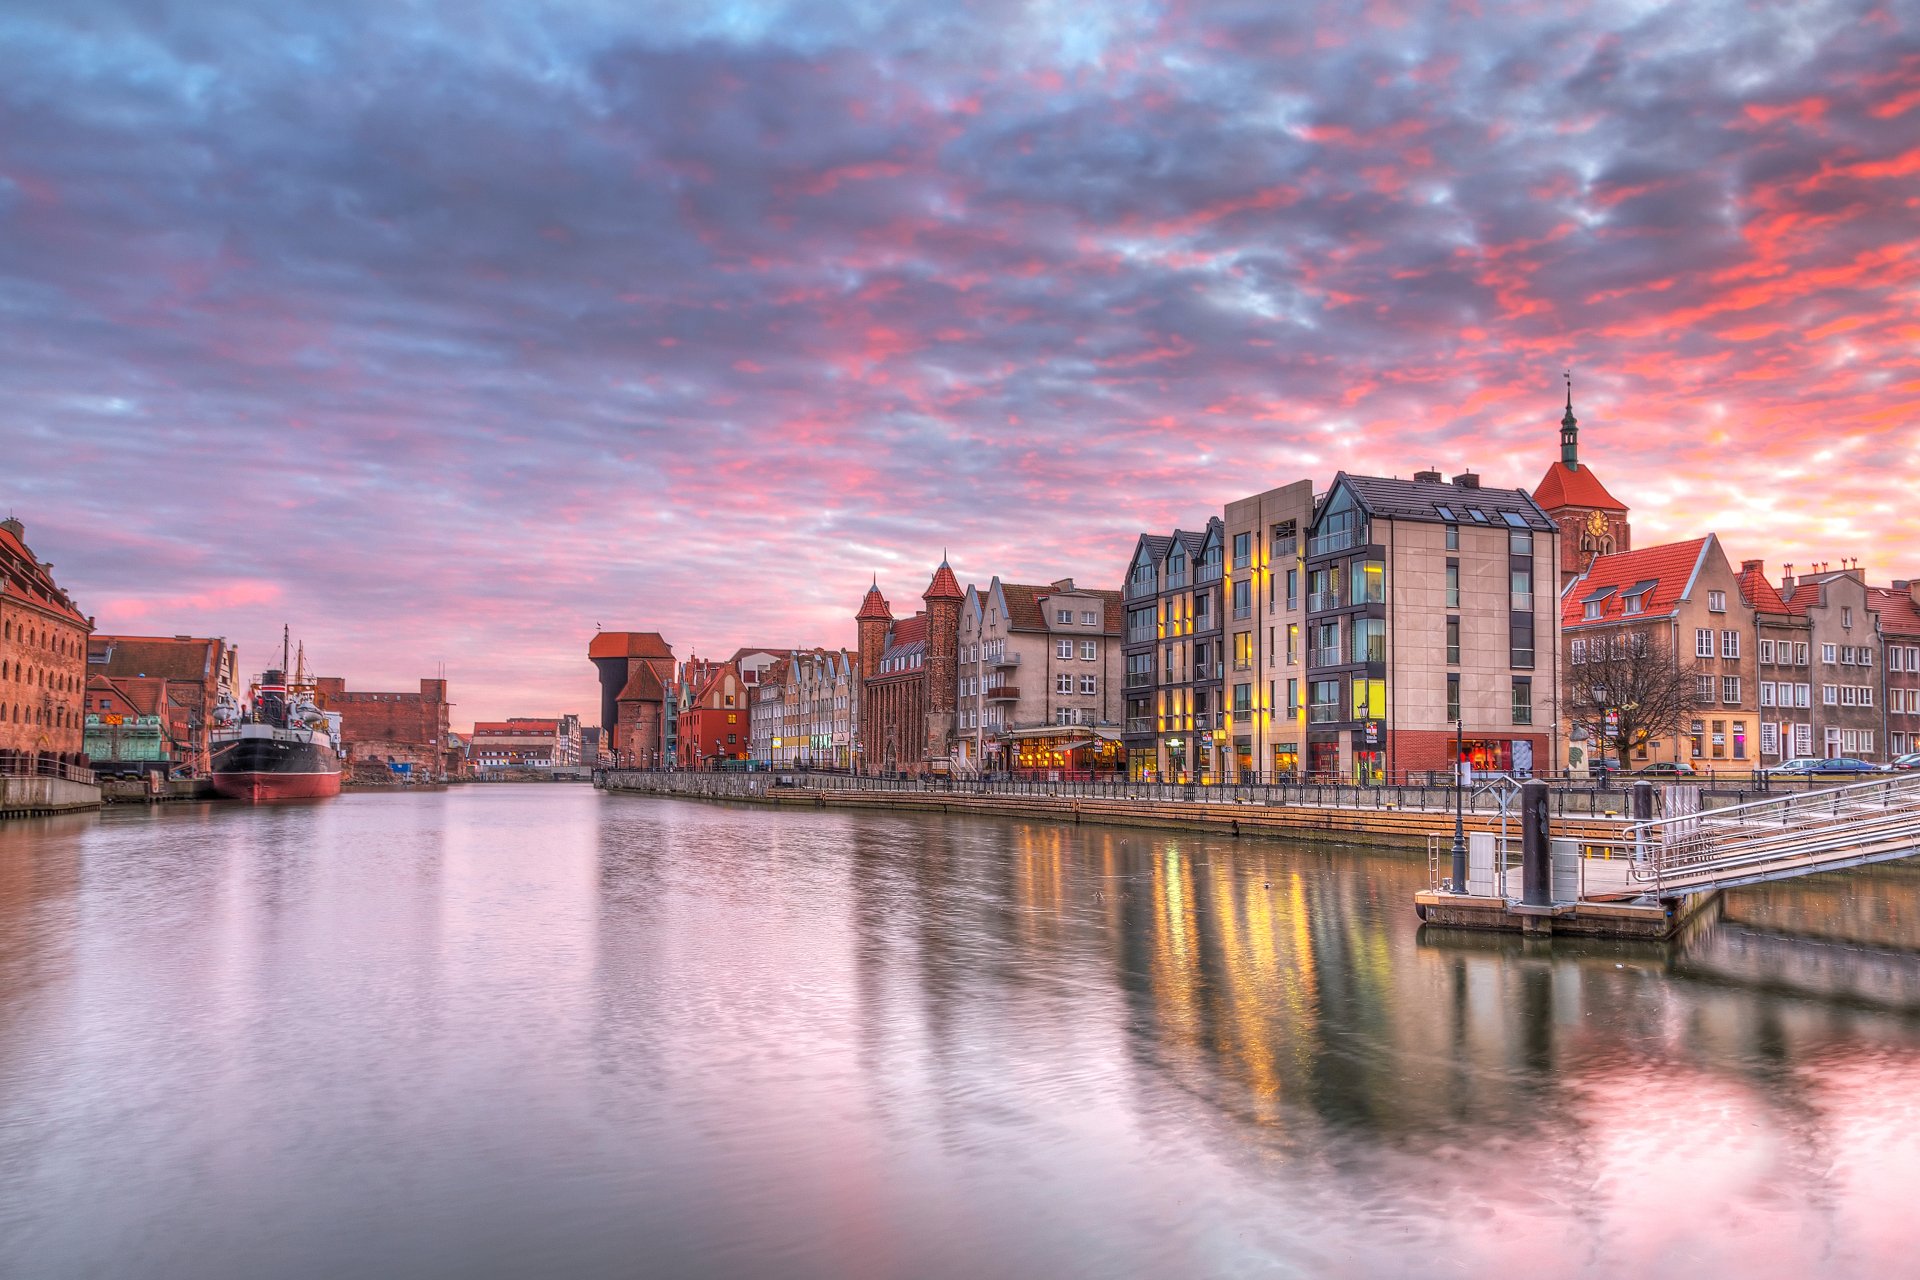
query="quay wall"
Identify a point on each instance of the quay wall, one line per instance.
(31, 797)
(1213, 809)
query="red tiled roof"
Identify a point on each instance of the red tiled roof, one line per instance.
(642, 686)
(910, 630)
(873, 607)
(142, 697)
(1562, 486)
(22, 576)
(1670, 568)
(1023, 606)
(628, 644)
(1898, 613)
(161, 656)
(944, 585)
(517, 726)
(1758, 592)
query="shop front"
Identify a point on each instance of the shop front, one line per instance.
(1499, 755)
(1068, 753)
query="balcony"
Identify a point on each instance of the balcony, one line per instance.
(1326, 657)
(1140, 724)
(1241, 612)
(1006, 660)
(1287, 547)
(1206, 573)
(1324, 713)
(1139, 680)
(1135, 590)
(1141, 635)
(1337, 541)
(1209, 671)
(1003, 693)
(1321, 601)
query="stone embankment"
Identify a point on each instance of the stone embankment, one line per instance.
(28, 797)
(1376, 817)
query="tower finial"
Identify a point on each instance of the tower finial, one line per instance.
(1570, 431)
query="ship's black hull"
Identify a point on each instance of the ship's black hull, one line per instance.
(261, 768)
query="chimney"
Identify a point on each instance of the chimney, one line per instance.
(13, 526)
(1754, 566)
(1427, 477)
(1786, 580)
(1467, 480)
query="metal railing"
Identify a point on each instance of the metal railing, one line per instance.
(1320, 601)
(20, 765)
(1798, 834)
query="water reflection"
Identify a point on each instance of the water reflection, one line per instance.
(519, 1030)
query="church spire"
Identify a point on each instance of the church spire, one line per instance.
(1570, 431)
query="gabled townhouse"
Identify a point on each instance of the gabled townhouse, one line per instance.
(1175, 670)
(1039, 678)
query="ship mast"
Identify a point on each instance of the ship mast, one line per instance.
(286, 634)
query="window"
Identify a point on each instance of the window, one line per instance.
(1829, 695)
(1803, 697)
(1369, 699)
(1063, 616)
(1202, 609)
(1063, 684)
(1716, 602)
(1453, 645)
(1242, 549)
(1293, 643)
(1293, 588)
(1766, 651)
(1086, 684)
(1633, 601)
(1522, 583)
(1769, 738)
(1293, 697)
(1523, 700)
(1730, 689)
(1846, 617)
(1063, 649)
(1590, 610)
(1766, 693)
(1520, 544)
(1827, 653)
(1698, 738)
(1370, 582)
(1088, 618)
(1325, 705)
(1453, 695)
(1453, 537)
(1242, 650)
(1453, 584)
(1729, 644)
(1703, 642)
(1719, 739)
(1703, 689)
(1242, 699)
(1242, 599)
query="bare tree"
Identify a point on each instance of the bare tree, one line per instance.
(1625, 687)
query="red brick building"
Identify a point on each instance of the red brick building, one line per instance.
(193, 672)
(713, 723)
(635, 669)
(396, 728)
(908, 679)
(1898, 609)
(43, 656)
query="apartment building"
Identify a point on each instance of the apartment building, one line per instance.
(1429, 604)
(1783, 656)
(1265, 713)
(1898, 608)
(1039, 678)
(1174, 669)
(1843, 637)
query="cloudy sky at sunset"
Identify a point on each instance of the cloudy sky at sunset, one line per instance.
(445, 332)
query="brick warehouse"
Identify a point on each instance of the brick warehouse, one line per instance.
(404, 728)
(43, 656)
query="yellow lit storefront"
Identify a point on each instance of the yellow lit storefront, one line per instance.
(1067, 752)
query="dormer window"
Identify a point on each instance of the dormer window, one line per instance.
(1631, 602)
(1590, 610)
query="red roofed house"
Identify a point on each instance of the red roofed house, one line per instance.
(1783, 652)
(1899, 610)
(908, 673)
(43, 657)
(1592, 521)
(713, 722)
(635, 669)
(192, 672)
(1688, 596)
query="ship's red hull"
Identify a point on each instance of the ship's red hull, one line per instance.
(277, 786)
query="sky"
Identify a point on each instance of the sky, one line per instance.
(445, 333)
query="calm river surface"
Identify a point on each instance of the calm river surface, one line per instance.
(539, 1031)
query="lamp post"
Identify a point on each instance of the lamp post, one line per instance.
(1459, 822)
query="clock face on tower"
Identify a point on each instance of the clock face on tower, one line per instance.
(1596, 524)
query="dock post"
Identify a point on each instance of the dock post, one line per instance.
(1643, 801)
(1536, 848)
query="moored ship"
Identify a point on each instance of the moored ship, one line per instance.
(279, 745)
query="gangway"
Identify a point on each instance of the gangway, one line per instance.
(1801, 834)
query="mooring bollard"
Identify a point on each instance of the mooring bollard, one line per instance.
(1643, 801)
(1536, 848)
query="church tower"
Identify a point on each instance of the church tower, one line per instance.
(1592, 521)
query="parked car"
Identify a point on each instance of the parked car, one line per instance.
(1814, 767)
(1666, 769)
(1911, 760)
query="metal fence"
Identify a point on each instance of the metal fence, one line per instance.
(18, 764)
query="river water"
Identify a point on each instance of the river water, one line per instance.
(536, 1030)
